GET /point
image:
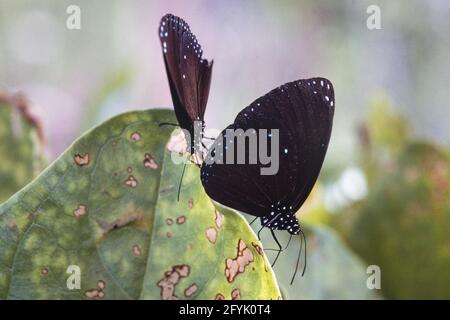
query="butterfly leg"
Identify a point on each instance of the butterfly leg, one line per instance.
(298, 260)
(289, 241)
(253, 221)
(280, 248)
(302, 237)
(259, 231)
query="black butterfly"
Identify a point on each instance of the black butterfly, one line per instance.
(302, 111)
(189, 75)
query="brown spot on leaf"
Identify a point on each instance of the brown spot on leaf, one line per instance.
(189, 247)
(190, 203)
(171, 279)
(91, 294)
(181, 219)
(235, 266)
(44, 271)
(211, 234)
(131, 182)
(97, 292)
(219, 296)
(129, 169)
(177, 143)
(258, 248)
(101, 285)
(149, 162)
(135, 136)
(189, 291)
(137, 251)
(236, 294)
(183, 270)
(169, 234)
(169, 221)
(81, 160)
(80, 211)
(219, 219)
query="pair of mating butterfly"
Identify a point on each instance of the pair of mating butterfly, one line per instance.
(302, 112)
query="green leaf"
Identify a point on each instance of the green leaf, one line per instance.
(333, 271)
(108, 205)
(403, 225)
(21, 145)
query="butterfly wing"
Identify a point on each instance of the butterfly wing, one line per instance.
(302, 111)
(189, 75)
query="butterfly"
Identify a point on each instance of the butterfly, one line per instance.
(301, 112)
(188, 73)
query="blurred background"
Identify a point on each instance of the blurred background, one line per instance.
(383, 197)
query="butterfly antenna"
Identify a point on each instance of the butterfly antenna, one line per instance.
(280, 248)
(181, 181)
(298, 260)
